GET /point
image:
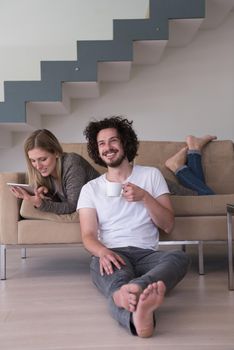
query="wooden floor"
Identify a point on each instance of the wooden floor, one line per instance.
(48, 302)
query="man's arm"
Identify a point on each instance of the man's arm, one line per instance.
(160, 208)
(89, 232)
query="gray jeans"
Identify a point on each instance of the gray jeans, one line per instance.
(143, 266)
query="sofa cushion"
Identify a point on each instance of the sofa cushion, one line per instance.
(217, 161)
(48, 232)
(81, 149)
(27, 211)
(178, 190)
(201, 228)
(201, 205)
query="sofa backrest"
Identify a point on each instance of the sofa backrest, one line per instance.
(81, 148)
(218, 160)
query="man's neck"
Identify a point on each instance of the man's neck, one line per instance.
(121, 173)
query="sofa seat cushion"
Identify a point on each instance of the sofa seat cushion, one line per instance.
(201, 205)
(48, 232)
(27, 211)
(202, 228)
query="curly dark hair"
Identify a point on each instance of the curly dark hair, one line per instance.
(125, 131)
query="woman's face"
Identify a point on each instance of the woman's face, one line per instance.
(43, 161)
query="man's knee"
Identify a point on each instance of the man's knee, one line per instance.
(178, 258)
(182, 260)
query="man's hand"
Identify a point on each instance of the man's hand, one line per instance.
(133, 193)
(108, 259)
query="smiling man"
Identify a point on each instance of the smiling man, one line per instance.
(122, 233)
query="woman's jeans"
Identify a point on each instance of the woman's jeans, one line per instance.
(143, 266)
(191, 175)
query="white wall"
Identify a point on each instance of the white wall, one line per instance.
(36, 30)
(189, 92)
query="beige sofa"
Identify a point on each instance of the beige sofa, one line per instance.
(199, 219)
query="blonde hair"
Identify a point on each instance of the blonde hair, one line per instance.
(44, 139)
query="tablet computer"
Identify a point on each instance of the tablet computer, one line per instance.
(26, 187)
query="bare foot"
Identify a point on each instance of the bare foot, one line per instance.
(150, 299)
(178, 160)
(127, 296)
(197, 143)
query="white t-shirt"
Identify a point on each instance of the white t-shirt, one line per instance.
(123, 223)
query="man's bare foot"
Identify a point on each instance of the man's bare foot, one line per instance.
(197, 143)
(178, 160)
(150, 299)
(127, 296)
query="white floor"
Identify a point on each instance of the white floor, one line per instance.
(48, 302)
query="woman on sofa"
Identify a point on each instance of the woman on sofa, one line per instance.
(187, 166)
(57, 177)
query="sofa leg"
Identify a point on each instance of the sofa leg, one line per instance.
(201, 258)
(3, 262)
(230, 252)
(23, 253)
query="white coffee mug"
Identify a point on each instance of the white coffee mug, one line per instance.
(113, 189)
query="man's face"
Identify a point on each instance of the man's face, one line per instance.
(110, 147)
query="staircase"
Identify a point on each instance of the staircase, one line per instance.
(171, 23)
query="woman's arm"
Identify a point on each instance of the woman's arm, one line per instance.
(76, 172)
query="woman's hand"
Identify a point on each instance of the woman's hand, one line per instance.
(41, 191)
(36, 200)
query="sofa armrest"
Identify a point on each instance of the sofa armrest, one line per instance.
(9, 208)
